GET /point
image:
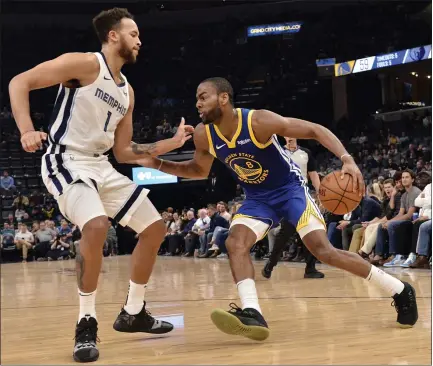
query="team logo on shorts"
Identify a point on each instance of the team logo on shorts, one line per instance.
(246, 168)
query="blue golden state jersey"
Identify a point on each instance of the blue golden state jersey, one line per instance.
(259, 168)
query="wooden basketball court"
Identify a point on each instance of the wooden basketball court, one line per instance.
(336, 320)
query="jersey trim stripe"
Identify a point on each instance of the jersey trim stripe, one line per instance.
(60, 166)
(52, 176)
(57, 105)
(209, 140)
(253, 137)
(66, 116)
(231, 144)
(134, 196)
(121, 85)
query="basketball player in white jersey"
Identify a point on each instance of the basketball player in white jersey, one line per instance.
(93, 113)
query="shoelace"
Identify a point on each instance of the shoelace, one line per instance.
(234, 308)
(86, 335)
(405, 307)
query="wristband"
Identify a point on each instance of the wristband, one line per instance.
(27, 132)
(342, 156)
(160, 165)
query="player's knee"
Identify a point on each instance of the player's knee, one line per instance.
(236, 246)
(97, 227)
(156, 231)
(325, 253)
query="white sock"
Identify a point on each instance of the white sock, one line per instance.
(87, 304)
(248, 294)
(385, 281)
(134, 301)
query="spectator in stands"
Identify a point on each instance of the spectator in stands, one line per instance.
(175, 238)
(390, 208)
(7, 183)
(26, 220)
(7, 237)
(362, 139)
(49, 211)
(11, 220)
(65, 230)
(192, 241)
(20, 201)
(424, 246)
(370, 208)
(24, 240)
(423, 201)
(222, 208)
(206, 241)
(399, 228)
(187, 230)
(51, 225)
(111, 239)
(44, 237)
(19, 213)
(35, 227)
(59, 249)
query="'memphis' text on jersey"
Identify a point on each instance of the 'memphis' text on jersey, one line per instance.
(111, 101)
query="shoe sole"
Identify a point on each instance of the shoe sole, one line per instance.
(314, 276)
(85, 359)
(230, 324)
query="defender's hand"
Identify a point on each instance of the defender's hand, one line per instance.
(32, 140)
(183, 133)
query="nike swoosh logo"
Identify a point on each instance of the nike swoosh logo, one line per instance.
(106, 78)
(126, 94)
(219, 147)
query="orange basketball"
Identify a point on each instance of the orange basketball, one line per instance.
(337, 194)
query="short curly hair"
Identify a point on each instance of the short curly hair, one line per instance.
(108, 20)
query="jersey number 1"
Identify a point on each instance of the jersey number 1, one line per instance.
(107, 121)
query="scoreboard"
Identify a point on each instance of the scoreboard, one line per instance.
(377, 62)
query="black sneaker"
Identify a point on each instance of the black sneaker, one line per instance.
(405, 305)
(313, 273)
(247, 323)
(141, 322)
(267, 270)
(85, 340)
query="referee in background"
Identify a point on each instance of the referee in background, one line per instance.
(308, 165)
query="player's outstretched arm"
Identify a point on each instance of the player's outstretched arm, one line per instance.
(198, 167)
(60, 70)
(266, 123)
(127, 151)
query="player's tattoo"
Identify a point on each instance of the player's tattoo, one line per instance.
(79, 266)
(140, 149)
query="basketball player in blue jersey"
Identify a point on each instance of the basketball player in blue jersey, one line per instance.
(245, 141)
(92, 114)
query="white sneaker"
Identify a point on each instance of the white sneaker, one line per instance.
(222, 255)
(214, 247)
(396, 262)
(410, 260)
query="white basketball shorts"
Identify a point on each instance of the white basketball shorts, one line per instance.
(86, 187)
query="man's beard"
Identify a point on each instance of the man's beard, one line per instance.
(213, 116)
(126, 54)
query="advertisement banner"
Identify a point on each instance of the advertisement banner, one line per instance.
(273, 29)
(147, 176)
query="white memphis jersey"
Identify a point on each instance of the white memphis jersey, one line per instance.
(85, 119)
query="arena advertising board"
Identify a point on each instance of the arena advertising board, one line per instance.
(273, 29)
(147, 176)
(389, 59)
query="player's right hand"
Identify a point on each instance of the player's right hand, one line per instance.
(32, 140)
(350, 167)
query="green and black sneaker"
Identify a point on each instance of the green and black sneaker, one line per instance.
(247, 322)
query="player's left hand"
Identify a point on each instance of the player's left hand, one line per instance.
(184, 133)
(350, 167)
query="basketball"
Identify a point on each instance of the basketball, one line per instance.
(337, 194)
